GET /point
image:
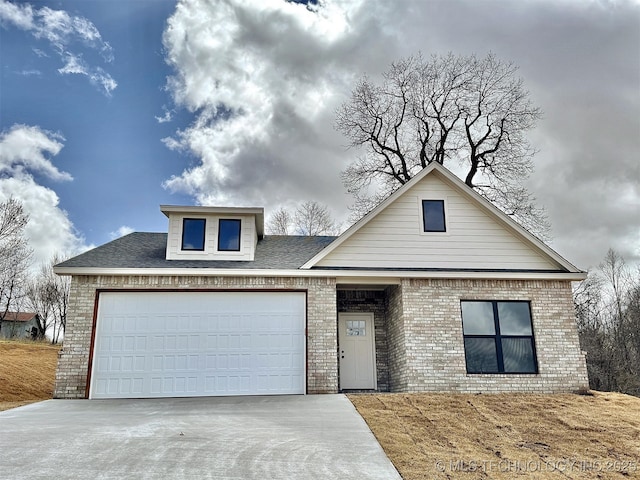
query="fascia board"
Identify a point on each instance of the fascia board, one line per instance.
(209, 209)
(348, 275)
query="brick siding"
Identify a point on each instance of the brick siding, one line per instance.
(434, 357)
(418, 327)
(398, 373)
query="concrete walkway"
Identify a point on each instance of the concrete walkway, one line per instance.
(279, 437)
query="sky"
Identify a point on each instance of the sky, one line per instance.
(110, 108)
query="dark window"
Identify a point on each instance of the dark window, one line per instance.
(433, 216)
(193, 233)
(229, 235)
(498, 337)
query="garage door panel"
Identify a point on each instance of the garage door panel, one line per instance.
(196, 343)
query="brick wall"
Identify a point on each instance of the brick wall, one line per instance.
(398, 374)
(420, 324)
(322, 370)
(434, 349)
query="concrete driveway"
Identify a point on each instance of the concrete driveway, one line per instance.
(279, 437)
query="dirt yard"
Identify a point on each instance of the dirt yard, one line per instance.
(27, 372)
(438, 436)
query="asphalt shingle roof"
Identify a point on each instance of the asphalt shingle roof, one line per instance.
(148, 250)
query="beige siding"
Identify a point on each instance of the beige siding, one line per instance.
(474, 238)
(247, 244)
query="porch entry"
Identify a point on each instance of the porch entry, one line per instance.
(357, 352)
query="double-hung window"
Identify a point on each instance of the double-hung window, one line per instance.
(498, 337)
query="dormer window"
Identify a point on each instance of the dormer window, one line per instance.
(433, 218)
(210, 233)
(229, 235)
(193, 234)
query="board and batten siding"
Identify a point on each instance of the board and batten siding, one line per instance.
(474, 239)
(248, 240)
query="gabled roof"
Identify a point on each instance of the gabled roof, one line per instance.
(19, 316)
(457, 184)
(145, 253)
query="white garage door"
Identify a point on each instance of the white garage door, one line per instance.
(184, 344)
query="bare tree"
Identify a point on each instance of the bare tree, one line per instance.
(60, 301)
(312, 218)
(608, 313)
(38, 295)
(48, 296)
(466, 111)
(309, 218)
(15, 256)
(13, 219)
(280, 222)
(633, 329)
(616, 276)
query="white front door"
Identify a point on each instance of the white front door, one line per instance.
(357, 351)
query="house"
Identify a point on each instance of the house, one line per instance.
(434, 290)
(19, 325)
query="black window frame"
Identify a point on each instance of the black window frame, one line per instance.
(425, 228)
(498, 337)
(184, 228)
(236, 221)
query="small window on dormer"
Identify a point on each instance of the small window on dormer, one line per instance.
(193, 234)
(229, 235)
(433, 216)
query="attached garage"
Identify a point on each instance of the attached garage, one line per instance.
(198, 343)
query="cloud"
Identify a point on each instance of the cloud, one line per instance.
(121, 232)
(167, 117)
(29, 73)
(63, 32)
(39, 53)
(97, 76)
(262, 80)
(25, 150)
(20, 15)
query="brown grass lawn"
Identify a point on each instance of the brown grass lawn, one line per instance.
(438, 436)
(27, 372)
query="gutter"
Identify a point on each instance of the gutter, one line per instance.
(341, 276)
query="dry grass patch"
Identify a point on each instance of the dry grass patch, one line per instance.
(27, 372)
(438, 436)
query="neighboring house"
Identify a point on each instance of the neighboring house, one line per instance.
(434, 290)
(19, 325)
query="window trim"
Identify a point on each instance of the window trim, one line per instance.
(498, 336)
(423, 226)
(238, 221)
(204, 234)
